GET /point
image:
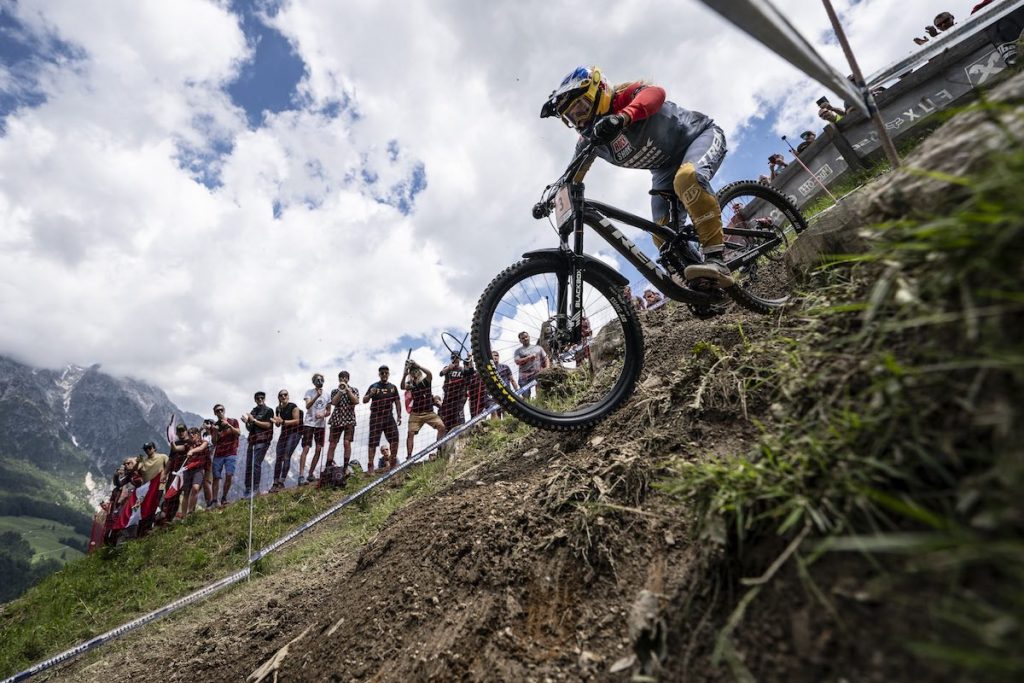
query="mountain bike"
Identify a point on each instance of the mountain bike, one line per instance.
(583, 340)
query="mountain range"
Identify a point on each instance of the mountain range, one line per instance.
(62, 434)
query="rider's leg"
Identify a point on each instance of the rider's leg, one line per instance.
(692, 184)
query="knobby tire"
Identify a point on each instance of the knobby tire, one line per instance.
(632, 345)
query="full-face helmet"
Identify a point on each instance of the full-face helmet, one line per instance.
(582, 96)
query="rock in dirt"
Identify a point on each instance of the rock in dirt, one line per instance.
(647, 632)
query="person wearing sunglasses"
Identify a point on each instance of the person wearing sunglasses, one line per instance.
(288, 417)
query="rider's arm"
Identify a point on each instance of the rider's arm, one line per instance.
(638, 101)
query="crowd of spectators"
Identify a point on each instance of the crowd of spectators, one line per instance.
(157, 489)
(649, 299)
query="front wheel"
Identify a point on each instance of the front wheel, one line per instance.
(516, 332)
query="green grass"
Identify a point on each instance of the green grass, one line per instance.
(893, 429)
(114, 585)
(44, 536)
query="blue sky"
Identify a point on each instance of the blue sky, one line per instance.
(264, 188)
(269, 80)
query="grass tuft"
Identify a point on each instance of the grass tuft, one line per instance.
(894, 428)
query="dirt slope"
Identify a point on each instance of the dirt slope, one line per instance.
(526, 569)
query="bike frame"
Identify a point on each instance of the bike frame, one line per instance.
(599, 217)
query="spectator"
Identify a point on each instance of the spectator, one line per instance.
(808, 137)
(505, 374)
(343, 419)
(288, 417)
(418, 380)
(531, 359)
(652, 298)
(383, 397)
(546, 337)
(583, 348)
(120, 510)
(151, 466)
(638, 302)
(943, 22)
(318, 407)
(259, 423)
(456, 387)
(207, 433)
(763, 179)
(195, 466)
(775, 165)
(476, 390)
(387, 459)
(179, 450)
(917, 41)
(828, 111)
(226, 431)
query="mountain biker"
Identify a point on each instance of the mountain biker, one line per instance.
(634, 126)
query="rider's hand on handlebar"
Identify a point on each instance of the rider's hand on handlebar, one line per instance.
(607, 127)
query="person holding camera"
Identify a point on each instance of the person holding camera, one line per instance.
(421, 412)
(225, 431)
(775, 165)
(318, 407)
(342, 418)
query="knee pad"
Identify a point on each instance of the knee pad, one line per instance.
(695, 192)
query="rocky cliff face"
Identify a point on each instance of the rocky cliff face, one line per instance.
(76, 422)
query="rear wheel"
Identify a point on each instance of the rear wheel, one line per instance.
(775, 222)
(586, 379)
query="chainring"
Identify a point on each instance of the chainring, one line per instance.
(711, 310)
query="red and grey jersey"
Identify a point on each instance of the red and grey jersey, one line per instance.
(659, 132)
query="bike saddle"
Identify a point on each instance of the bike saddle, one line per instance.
(665, 194)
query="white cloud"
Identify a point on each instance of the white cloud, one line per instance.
(111, 252)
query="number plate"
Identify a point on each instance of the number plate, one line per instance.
(563, 207)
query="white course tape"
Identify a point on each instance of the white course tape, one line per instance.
(121, 630)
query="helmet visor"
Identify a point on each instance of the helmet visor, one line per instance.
(577, 114)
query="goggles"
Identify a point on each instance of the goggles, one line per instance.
(577, 113)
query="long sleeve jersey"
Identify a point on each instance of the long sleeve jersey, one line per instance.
(659, 132)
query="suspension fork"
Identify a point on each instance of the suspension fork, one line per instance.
(569, 308)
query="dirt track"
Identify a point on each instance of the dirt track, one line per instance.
(502, 576)
(529, 569)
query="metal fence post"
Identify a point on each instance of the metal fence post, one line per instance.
(858, 80)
